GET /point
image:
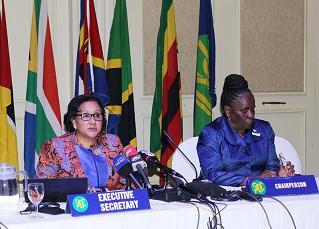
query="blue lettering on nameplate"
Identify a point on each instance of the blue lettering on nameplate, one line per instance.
(106, 202)
(277, 186)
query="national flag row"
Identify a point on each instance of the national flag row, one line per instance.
(109, 80)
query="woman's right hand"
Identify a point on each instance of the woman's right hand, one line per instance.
(267, 173)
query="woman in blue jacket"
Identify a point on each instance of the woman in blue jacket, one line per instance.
(236, 145)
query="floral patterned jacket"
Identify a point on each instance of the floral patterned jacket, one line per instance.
(59, 159)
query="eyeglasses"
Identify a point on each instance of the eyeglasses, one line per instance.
(88, 117)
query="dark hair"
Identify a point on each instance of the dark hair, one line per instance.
(73, 109)
(234, 86)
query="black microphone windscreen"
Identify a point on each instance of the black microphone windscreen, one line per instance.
(206, 188)
(125, 170)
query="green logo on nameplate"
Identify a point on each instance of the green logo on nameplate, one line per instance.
(258, 187)
(80, 204)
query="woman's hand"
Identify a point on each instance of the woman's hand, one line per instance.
(287, 170)
(267, 173)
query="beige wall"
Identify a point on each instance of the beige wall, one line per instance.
(272, 44)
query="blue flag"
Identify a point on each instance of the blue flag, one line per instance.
(205, 97)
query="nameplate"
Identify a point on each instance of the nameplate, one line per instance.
(107, 202)
(277, 186)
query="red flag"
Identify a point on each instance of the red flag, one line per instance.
(82, 67)
(101, 89)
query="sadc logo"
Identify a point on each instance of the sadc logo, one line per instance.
(258, 187)
(80, 204)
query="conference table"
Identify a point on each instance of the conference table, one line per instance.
(238, 214)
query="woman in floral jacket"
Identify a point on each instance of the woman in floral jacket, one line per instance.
(85, 150)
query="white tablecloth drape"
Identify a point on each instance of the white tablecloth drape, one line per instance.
(239, 214)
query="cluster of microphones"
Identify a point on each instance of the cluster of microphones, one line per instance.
(133, 166)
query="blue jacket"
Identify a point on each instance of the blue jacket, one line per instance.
(226, 158)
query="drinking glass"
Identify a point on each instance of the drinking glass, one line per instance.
(36, 194)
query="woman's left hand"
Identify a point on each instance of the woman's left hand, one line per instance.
(287, 170)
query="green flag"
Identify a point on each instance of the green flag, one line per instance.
(204, 98)
(121, 120)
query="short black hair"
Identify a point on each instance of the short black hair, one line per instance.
(73, 109)
(234, 86)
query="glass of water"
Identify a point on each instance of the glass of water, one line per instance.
(35, 195)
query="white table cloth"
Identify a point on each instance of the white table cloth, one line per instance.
(174, 215)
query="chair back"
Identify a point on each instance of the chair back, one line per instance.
(287, 150)
(181, 164)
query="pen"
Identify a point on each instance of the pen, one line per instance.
(283, 163)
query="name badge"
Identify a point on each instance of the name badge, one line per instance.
(276, 186)
(106, 202)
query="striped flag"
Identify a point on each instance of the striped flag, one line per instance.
(90, 65)
(121, 119)
(101, 89)
(205, 97)
(8, 138)
(83, 82)
(167, 105)
(42, 114)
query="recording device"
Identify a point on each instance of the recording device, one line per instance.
(124, 167)
(192, 192)
(138, 165)
(170, 195)
(174, 143)
(152, 159)
(206, 188)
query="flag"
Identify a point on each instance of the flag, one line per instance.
(121, 119)
(167, 105)
(205, 97)
(101, 89)
(42, 114)
(82, 66)
(8, 138)
(90, 65)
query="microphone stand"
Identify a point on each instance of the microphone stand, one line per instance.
(128, 184)
(135, 181)
(189, 161)
(165, 177)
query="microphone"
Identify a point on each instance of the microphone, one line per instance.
(124, 167)
(152, 159)
(138, 164)
(174, 143)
